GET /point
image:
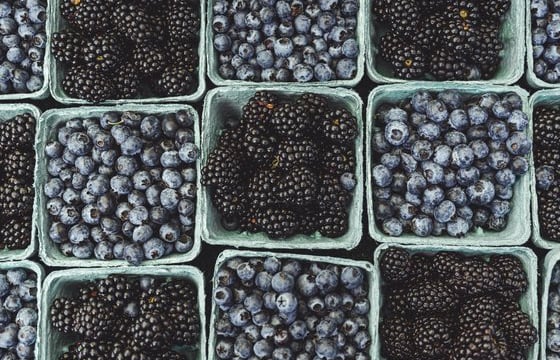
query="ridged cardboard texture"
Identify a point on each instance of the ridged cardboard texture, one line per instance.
(223, 103)
(518, 228)
(49, 122)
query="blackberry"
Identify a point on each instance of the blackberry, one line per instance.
(155, 300)
(549, 157)
(315, 105)
(168, 355)
(18, 133)
(183, 312)
(293, 153)
(260, 147)
(16, 232)
(229, 202)
(183, 20)
(339, 126)
(466, 11)
(481, 340)
(148, 59)
(488, 46)
(249, 221)
(396, 337)
(333, 222)
(395, 265)
(261, 190)
(549, 220)
(494, 10)
(427, 7)
(127, 81)
(459, 37)
(62, 313)
(232, 139)
(289, 121)
(259, 109)
(278, 223)
(104, 52)
(118, 290)
(83, 83)
(394, 300)
(89, 16)
(430, 297)
(308, 221)
(183, 53)
(408, 62)
(444, 65)
(488, 71)
(134, 23)
(516, 354)
(518, 329)
(514, 279)
(222, 169)
(422, 268)
(95, 319)
(338, 159)
(67, 45)
(404, 17)
(176, 80)
(479, 309)
(428, 37)
(122, 331)
(19, 165)
(15, 199)
(388, 45)
(546, 128)
(432, 336)
(331, 194)
(474, 277)
(298, 187)
(152, 331)
(380, 10)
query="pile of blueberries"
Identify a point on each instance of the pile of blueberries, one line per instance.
(545, 39)
(447, 163)
(288, 309)
(22, 31)
(18, 314)
(122, 186)
(286, 40)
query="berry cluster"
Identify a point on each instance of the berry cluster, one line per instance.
(22, 46)
(447, 162)
(17, 161)
(553, 316)
(18, 314)
(122, 317)
(122, 186)
(546, 130)
(441, 39)
(452, 307)
(285, 167)
(113, 47)
(545, 17)
(289, 309)
(286, 40)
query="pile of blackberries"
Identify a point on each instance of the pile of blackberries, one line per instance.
(448, 306)
(122, 186)
(18, 314)
(17, 161)
(128, 49)
(553, 316)
(22, 46)
(546, 130)
(545, 16)
(286, 40)
(285, 167)
(441, 39)
(448, 162)
(123, 317)
(272, 308)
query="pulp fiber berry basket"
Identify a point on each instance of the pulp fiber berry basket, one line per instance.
(65, 283)
(528, 301)
(213, 63)
(50, 121)
(518, 229)
(511, 67)
(222, 103)
(540, 98)
(532, 79)
(372, 278)
(57, 70)
(550, 261)
(7, 112)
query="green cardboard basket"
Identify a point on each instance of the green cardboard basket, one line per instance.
(550, 261)
(222, 103)
(7, 112)
(57, 70)
(551, 98)
(518, 228)
(372, 276)
(511, 67)
(50, 120)
(66, 283)
(213, 63)
(528, 302)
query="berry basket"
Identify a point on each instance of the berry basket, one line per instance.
(543, 97)
(221, 103)
(57, 71)
(48, 251)
(64, 283)
(7, 112)
(213, 64)
(372, 279)
(550, 261)
(518, 229)
(528, 301)
(511, 67)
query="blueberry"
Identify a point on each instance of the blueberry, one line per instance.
(282, 282)
(442, 155)
(518, 143)
(153, 249)
(539, 8)
(346, 68)
(505, 177)
(408, 163)
(26, 317)
(138, 215)
(131, 146)
(477, 115)
(451, 98)
(457, 227)
(433, 173)
(103, 251)
(169, 198)
(445, 211)
(422, 150)
(381, 176)
(545, 176)
(326, 281)
(422, 225)
(481, 193)
(498, 160)
(436, 111)
(462, 156)
(79, 143)
(325, 348)
(8, 336)
(286, 303)
(303, 73)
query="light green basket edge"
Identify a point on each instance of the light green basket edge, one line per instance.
(549, 97)
(53, 117)
(212, 63)
(529, 300)
(204, 205)
(47, 295)
(9, 111)
(550, 260)
(364, 265)
(55, 86)
(517, 52)
(521, 190)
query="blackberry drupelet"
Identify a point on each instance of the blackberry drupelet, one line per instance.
(89, 16)
(408, 62)
(222, 169)
(331, 194)
(380, 9)
(260, 147)
(396, 265)
(176, 80)
(396, 336)
(62, 313)
(148, 59)
(477, 309)
(257, 111)
(339, 126)
(67, 45)
(18, 133)
(229, 202)
(308, 221)
(95, 319)
(432, 336)
(480, 341)
(134, 23)
(183, 20)
(514, 279)
(290, 122)
(87, 84)
(549, 157)
(333, 222)
(15, 233)
(298, 187)
(261, 190)
(546, 128)
(404, 17)
(293, 153)
(518, 329)
(494, 10)
(104, 52)
(278, 223)
(118, 290)
(474, 277)
(127, 81)
(183, 312)
(430, 297)
(152, 331)
(444, 65)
